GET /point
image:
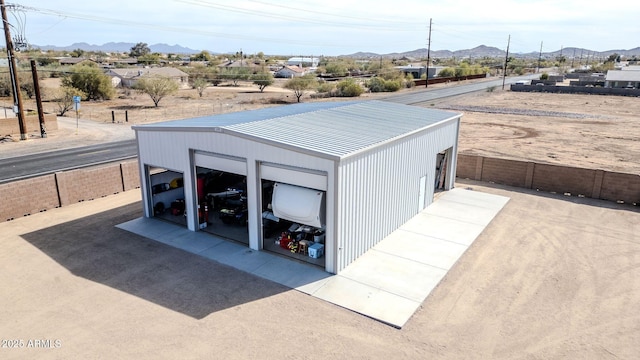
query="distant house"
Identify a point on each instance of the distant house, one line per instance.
(622, 79)
(253, 67)
(303, 62)
(630, 68)
(290, 72)
(128, 77)
(124, 62)
(73, 60)
(416, 71)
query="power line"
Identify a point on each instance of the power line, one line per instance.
(67, 14)
(365, 24)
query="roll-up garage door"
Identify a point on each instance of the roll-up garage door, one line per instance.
(302, 205)
(225, 163)
(295, 176)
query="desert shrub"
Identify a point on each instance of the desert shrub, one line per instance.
(447, 72)
(325, 87)
(378, 84)
(349, 88)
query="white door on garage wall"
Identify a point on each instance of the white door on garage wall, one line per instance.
(423, 193)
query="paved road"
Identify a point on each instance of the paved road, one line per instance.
(426, 95)
(33, 165)
(22, 167)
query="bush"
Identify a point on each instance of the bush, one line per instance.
(325, 87)
(349, 88)
(378, 84)
(544, 76)
(447, 72)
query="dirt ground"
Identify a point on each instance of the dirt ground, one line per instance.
(551, 277)
(589, 131)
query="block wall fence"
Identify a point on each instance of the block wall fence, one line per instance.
(25, 197)
(29, 196)
(597, 184)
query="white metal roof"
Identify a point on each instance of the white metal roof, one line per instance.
(330, 128)
(620, 75)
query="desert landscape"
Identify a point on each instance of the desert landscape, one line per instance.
(589, 131)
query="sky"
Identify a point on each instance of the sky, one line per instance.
(330, 27)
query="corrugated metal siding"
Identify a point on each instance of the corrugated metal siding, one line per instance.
(379, 190)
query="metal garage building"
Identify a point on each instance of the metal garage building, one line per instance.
(352, 171)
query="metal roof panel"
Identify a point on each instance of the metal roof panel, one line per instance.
(331, 128)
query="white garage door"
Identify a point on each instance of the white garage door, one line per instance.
(225, 163)
(295, 176)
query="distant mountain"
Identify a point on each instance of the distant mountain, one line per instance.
(492, 52)
(120, 47)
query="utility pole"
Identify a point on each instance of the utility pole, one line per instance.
(506, 60)
(574, 57)
(15, 84)
(36, 88)
(539, 57)
(426, 81)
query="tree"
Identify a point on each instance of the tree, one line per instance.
(139, 49)
(88, 78)
(157, 87)
(77, 53)
(200, 84)
(63, 97)
(262, 79)
(149, 59)
(235, 74)
(613, 58)
(337, 68)
(301, 84)
(204, 55)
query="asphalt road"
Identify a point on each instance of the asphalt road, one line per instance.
(23, 167)
(27, 166)
(423, 97)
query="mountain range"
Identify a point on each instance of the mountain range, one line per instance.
(119, 47)
(477, 52)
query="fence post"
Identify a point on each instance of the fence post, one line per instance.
(126, 115)
(597, 184)
(113, 116)
(479, 166)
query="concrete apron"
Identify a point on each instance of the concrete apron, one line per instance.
(388, 283)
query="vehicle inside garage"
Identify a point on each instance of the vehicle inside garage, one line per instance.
(222, 204)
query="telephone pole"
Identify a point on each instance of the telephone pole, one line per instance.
(539, 57)
(15, 85)
(506, 60)
(426, 81)
(36, 88)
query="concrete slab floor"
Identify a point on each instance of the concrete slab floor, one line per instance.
(388, 283)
